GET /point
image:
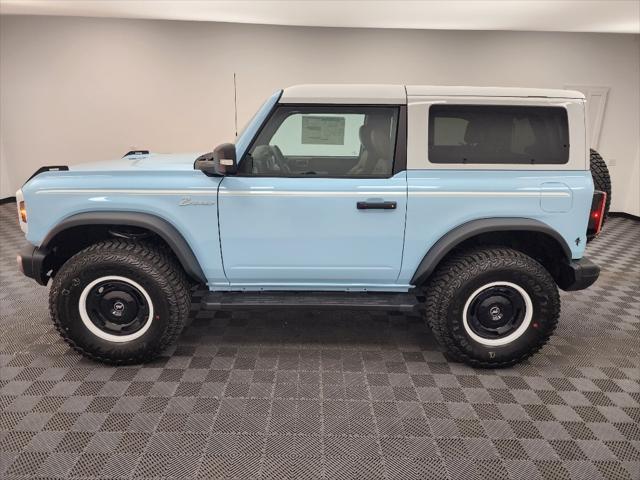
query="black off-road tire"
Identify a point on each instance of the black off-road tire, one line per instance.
(601, 178)
(459, 277)
(148, 266)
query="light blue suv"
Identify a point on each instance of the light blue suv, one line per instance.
(473, 203)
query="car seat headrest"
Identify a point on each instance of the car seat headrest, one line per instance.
(476, 131)
(365, 136)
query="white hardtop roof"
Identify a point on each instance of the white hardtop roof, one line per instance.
(444, 91)
(397, 94)
(345, 93)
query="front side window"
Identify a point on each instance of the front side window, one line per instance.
(498, 134)
(252, 126)
(325, 141)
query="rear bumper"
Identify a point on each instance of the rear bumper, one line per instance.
(578, 274)
(33, 261)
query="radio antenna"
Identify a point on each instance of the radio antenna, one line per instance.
(235, 103)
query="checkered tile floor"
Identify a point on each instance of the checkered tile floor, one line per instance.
(336, 395)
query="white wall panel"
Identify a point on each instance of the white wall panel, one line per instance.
(77, 89)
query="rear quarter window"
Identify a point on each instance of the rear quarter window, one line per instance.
(498, 134)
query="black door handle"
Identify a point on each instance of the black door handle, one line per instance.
(377, 205)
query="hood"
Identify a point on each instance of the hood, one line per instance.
(147, 161)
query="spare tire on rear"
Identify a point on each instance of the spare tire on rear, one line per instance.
(601, 178)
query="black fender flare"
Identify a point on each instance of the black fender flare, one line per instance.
(153, 223)
(476, 227)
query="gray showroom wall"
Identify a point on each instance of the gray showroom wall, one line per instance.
(77, 89)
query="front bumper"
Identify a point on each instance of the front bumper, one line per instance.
(34, 263)
(578, 274)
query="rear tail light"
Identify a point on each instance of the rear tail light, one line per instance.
(596, 215)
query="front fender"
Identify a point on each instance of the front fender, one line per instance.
(153, 223)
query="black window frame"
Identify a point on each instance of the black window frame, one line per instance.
(399, 161)
(565, 133)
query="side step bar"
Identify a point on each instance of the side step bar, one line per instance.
(309, 300)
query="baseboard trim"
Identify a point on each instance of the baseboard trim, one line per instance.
(7, 200)
(625, 215)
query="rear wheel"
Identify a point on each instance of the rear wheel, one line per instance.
(120, 301)
(492, 307)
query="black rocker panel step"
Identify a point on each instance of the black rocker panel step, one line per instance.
(311, 300)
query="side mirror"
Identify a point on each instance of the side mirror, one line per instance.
(221, 162)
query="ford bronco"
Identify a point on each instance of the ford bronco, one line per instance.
(471, 205)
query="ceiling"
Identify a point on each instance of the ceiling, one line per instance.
(614, 16)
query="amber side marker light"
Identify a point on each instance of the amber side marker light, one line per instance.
(23, 212)
(596, 216)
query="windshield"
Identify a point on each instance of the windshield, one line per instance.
(251, 128)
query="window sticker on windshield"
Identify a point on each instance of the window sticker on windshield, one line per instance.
(322, 130)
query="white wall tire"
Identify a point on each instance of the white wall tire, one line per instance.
(91, 326)
(522, 328)
(465, 289)
(120, 302)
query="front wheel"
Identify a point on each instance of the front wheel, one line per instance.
(120, 302)
(492, 307)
